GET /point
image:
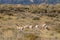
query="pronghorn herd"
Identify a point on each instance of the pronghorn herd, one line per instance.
(44, 26)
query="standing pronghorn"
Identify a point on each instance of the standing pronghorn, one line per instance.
(19, 27)
(37, 26)
(30, 26)
(26, 26)
(45, 26)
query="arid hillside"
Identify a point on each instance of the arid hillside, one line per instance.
(26, 22)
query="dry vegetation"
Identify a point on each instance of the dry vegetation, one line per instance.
(10, 15)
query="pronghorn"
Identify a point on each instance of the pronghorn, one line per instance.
(26, 26)
(45, 26)
(37, 26)
(20, 28)
(30, 26)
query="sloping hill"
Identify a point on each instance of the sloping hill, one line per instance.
(14, 17)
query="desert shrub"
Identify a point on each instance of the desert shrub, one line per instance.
(1, 17)
(56, 19)
(10, 8)
(20, 10)
(36, 18)
(2, 10)
(4, 29)
(9, 18)
(10, 14)
(31, 36)
(54, 25)
(52, 14)
(23, 17)
(57, 28)
(34, 11)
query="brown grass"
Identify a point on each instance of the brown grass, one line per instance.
(10, 15)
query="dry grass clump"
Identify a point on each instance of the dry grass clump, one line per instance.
(31, 36)
(36, 18)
